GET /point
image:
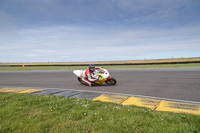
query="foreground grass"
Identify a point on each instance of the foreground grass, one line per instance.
(84, 67)
(39, 113)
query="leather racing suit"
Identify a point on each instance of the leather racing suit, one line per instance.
(89, 77)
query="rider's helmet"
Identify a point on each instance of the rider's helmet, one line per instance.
(91, 67)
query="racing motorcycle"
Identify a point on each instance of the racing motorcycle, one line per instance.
(104, 76)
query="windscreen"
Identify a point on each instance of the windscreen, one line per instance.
(100, 71)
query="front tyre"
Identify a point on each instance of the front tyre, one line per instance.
(111, 81)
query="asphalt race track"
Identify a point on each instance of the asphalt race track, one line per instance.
(172, 83)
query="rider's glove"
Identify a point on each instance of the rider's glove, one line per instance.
(99, 78)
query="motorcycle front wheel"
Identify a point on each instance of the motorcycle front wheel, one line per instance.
(111, 81)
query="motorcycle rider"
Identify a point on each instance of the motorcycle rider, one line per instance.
(89, 75)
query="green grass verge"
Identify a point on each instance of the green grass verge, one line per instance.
(83, 67)
(30, 113)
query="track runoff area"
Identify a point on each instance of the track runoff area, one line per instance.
(154, 103)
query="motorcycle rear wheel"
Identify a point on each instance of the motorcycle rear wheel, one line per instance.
(111, 81)
(80, 80)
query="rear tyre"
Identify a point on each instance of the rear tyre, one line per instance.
(80, 80)
(111, 81)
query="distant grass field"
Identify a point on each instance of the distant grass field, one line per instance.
(109, 62)
(28, 113)
(111, 66)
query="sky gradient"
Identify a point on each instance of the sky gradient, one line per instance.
(98, 30)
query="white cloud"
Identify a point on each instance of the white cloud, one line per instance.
(60, 42)
(84, 30)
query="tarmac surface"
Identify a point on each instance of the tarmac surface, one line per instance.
(169, 83)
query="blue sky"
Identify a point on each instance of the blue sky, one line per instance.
(95, 30)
